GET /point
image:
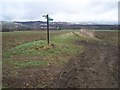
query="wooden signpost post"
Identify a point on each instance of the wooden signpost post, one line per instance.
(48, 19)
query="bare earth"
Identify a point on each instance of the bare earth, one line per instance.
(96, 67)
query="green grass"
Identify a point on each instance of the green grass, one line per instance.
(33, 44)
(25, 49)
(29, 63)
(63, 47)
(108, 30)
(13, 39)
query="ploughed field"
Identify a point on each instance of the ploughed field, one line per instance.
(71, 60)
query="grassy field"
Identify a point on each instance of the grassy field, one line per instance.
(25, 53)
(22, 45)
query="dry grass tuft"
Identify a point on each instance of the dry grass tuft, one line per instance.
(87, 32)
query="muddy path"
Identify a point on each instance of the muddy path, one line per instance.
(96, 67)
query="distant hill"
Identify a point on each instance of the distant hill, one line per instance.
(40, 25)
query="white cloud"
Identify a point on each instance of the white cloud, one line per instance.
(61, 10)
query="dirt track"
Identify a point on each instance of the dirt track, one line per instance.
(96, 67)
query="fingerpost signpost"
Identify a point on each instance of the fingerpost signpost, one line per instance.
(48, 19)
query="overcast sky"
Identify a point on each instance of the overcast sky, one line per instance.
(60, 10)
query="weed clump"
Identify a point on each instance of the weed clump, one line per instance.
(45, 47)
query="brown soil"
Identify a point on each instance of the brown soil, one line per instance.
(96, 67)
(41, 77)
